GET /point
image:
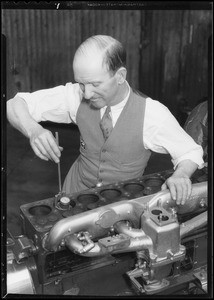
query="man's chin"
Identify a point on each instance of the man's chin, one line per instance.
(97, 103)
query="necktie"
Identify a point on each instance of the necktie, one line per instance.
(106, 123)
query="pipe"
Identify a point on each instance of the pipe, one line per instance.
(135, 245)
(123, 227)
(193, 224)
(73, 243)
(197, 199)
(138, 239)
(98, 221)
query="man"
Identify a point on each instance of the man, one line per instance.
(140, 124)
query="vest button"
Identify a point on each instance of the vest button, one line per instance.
(103, 161)
(104, 150)
(101, 171)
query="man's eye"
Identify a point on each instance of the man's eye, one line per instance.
(96, 84)
(82, 86)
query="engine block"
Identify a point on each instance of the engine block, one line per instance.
(129, 236)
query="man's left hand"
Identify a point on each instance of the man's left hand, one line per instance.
(180, 188)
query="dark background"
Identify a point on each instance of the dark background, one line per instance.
(167, 45)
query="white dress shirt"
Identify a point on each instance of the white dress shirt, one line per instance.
(161, 132)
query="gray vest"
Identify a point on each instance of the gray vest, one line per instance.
(121, 157)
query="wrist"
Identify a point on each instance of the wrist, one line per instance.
(31, 128)
(185, 169)
(180, 173)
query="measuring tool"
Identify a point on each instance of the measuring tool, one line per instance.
(58, 164)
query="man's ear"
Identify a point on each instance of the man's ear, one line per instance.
(121, 75)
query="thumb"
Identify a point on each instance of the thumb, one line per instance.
(164, 186)
(60, 148)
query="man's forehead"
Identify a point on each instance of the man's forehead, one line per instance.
(89, 56)
(92, 62)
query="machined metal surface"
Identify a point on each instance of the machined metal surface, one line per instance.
(201, 275)
(77, 234)
(98, 221)
(19, 279)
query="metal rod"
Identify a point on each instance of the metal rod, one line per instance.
(58, 164)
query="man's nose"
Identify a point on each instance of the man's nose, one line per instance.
(88, 93)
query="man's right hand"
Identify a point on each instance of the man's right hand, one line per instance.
(42, 140)
(44, 144)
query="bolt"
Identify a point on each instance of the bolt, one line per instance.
(56, 281)
(202, 203)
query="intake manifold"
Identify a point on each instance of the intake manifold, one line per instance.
(135, 224)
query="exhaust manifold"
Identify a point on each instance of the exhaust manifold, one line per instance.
(148, 222)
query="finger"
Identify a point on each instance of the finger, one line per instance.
(164, 186)
(39, 143)
(51, 148)
(189, 189)
(186, 191)
(179, 193)
(172, 189)
(38, 153)
(43, 151)
(52, 154)
(54, 146)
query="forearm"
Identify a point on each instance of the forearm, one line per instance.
(19, 117)
(42, 140)
(185, 168)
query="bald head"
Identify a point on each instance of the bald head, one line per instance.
(105, 49)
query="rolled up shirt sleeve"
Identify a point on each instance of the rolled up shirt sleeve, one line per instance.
(163, 134)
(58, 104)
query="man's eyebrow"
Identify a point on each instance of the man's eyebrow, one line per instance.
(95, 81)
(89, 82)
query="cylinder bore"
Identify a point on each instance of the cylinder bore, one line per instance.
(154, 181)
(133, 187)
(92, 205)
(153, 185)
(87, 199)
(111, 194)
(40, 210)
